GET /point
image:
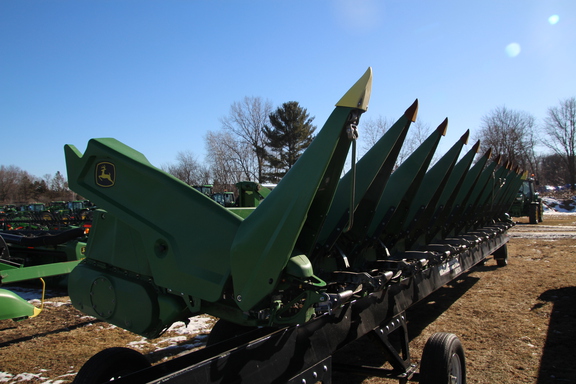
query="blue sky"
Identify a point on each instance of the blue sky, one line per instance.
(157, 75)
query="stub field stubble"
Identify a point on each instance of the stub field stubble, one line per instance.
(517, 323)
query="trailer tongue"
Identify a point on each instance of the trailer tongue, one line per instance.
(320, 262)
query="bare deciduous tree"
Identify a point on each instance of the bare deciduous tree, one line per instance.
(552, 170)
(246, 122)
(560, 129)
(230, 160)
(9, 176)
(418, 133)
(511, 134)
(188, 169)
(373, 129)
(18, 186)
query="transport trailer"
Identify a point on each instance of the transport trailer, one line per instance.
(303, 353)
(319, 262)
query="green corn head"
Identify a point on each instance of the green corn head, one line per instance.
(315, 241)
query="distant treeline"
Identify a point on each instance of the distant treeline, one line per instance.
(19, 187)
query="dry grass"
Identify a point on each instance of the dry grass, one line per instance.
(516, 323)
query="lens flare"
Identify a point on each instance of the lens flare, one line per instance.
(554, 19)
(513, 49)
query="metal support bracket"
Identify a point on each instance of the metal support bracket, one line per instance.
(397, 355)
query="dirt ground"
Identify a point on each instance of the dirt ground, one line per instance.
(517, 323)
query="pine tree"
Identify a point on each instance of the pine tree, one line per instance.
(290, 133)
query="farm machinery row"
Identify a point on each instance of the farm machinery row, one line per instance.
(249, 195)
(46, 243)
(43, 255)
(38, 216)
(320, 262)
(39, 242)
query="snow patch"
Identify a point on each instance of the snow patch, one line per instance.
(197, 324)
(553, 205)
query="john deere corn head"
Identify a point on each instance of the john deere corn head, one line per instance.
(323, 258)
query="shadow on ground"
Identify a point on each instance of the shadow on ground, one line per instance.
(557, 365)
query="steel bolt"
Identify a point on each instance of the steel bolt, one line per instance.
(239, 298)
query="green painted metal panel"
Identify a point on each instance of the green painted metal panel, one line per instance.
(403, 185)
(288, 222)
(12, 275)
(447, 201)
(425, 202)
(267, 238)
(153, 223)
(366, 186)
(464, 196)
(14, 307)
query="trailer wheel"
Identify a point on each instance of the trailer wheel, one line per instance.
(533, 214)
(501, 256)
(110, 364)
(540, 213)
(443, 360)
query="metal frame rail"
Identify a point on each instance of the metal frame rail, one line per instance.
(303, 353)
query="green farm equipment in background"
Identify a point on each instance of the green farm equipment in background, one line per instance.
(39, 256)
(58, 216)
(528, 202)
(321, 258)
(251, 194)
(206, 189)
(225, 199)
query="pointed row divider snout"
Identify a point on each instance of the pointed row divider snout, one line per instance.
(287, 223)
(470, 212)
(426, 201)
(370, 182)
(464, 196)
(498, 183)
(511, 184)
(399, 193)
(507, 202)
(447, 203)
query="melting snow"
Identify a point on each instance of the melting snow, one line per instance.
(552, 205)
(196, 326)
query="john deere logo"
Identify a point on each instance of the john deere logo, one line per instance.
(105, 174)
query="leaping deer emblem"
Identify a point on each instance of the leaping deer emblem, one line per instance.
(105, 178)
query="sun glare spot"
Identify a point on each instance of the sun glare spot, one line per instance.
(554, 19)
(513, 49)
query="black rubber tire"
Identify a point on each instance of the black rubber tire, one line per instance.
(109, 364)
(540, 213)
(501, 256)
(533, 214)
(443, 360)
